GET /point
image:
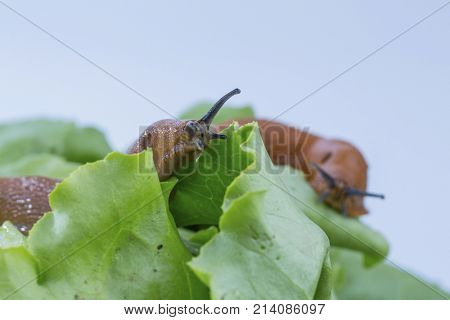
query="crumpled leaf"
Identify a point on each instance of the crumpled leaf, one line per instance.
(44, 165)
(226, 113)
(196, 199)
(18, 139)
(194, 240)
(108, 236)
(203, 236)
(354, 281)
(266, 248)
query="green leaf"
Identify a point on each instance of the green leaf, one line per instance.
(225, 114)
(167, 187)
(325, 286)
(18, 139)
(266, 248)
(193, 240)
(45, 165)
(16, 264)
(203, 236)
(108, 236)
(354, 281)
(342, 231)
(10, 237)
(85, 145)
(18, 279)
(197, 198)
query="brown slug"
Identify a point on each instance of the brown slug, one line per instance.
(24, 200)
(173, 141)
(335, 169)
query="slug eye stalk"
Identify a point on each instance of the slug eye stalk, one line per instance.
(218, 136)
(355, 192)
(209, 116)
(331, 181)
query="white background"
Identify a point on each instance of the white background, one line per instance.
(394, 106)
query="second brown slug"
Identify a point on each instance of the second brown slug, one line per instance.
(335, 169)
(24, 200)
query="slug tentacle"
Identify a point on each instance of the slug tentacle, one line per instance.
(218, 136)
(355, 192)
(209, 116)
(331, 181)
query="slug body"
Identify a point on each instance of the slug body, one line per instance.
(335, 169)
(24, 200)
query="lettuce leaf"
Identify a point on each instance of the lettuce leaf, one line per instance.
(197, 198)
(266, 248)
(226, 113)
(10, 237)
(65, 139)
(354, 281)
(203, 236)
(45, 165)
(109, 236)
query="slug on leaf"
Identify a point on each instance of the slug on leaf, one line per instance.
(24, 200)
(335, 169)
(174, 141)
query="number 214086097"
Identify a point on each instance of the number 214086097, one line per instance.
(288, 308)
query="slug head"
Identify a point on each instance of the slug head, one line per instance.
(342, 197)
(198, 133)
(176, 143)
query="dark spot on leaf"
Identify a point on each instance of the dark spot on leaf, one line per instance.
(132, 277)
(262, 247)
(76, 296)
(154, 270)
(159, 247)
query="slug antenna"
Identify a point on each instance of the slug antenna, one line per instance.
(329, 179)
(218, 136)
(355, 192)
(209, 116)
